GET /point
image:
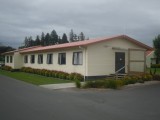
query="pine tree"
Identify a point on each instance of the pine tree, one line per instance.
(26, 42)
(71, 36)
(81, 36)
(64, 38)
(37, 41)
(75, 38)
(156, 43)
(42, 39)
(47, 39)
(54, 38)
(59, 40)
(30, 41)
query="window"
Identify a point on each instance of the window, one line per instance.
(49, 58)
(11, 59)
(77, 58)
(7, 59)
(32, 60)
(62, 58)
(40, 59)
(26, 59)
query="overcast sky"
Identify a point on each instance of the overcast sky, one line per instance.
(139, 19)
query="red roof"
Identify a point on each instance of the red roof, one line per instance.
(9, 52)
(83, 43)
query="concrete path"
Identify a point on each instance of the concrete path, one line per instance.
(59, 86)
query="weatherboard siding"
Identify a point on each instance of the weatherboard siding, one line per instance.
(101, 56)
(68, 67)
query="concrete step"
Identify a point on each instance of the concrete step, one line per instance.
(118, 75)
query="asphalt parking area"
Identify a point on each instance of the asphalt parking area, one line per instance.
(23, 101)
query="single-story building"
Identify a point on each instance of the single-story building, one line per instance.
(91, 58)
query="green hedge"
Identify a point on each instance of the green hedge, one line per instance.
(156, 77)
(8, 68)
(53, 73)
(114, 84)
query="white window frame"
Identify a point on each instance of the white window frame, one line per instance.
(11, 59)
(50, 58)
(32, 59)
(26, 59)
(40, 58)
(77, 58)
(61, 58)
(7, 59)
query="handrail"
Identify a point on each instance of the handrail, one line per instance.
(116, 73)
(120, 69)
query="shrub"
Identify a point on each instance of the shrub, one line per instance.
(78, 84)
(43, 72)
(111, 84)
(61, 75)
(114, 84)
(76, 76)
(129, 80)
(71, 76)
(119, 83)
(156, 77)
(53, 73)
(22, 69)
(146, 77)
(140, 81)
(46, 73)
(94, 84)
(8, 68)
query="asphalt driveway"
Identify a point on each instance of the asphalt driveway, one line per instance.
(23, 101)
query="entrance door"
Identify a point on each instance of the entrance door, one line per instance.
(120, 61)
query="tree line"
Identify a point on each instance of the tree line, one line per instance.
(4, 49)
(52, 39)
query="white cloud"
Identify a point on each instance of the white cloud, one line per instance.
(139, 18)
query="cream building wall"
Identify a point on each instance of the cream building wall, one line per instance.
(17, 60)
(101, 56)
(68, 67)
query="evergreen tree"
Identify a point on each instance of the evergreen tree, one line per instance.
(59, 40)
(64, 38)
(71, 36)
(75, 38)
(26, 42)
(81, 36)
(4, 49)
(42, 38)
(156, 43)
(47, 39)
(37, 41)
(54, 38)
(30, 41)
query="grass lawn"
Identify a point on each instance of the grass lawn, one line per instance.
(33, 78)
